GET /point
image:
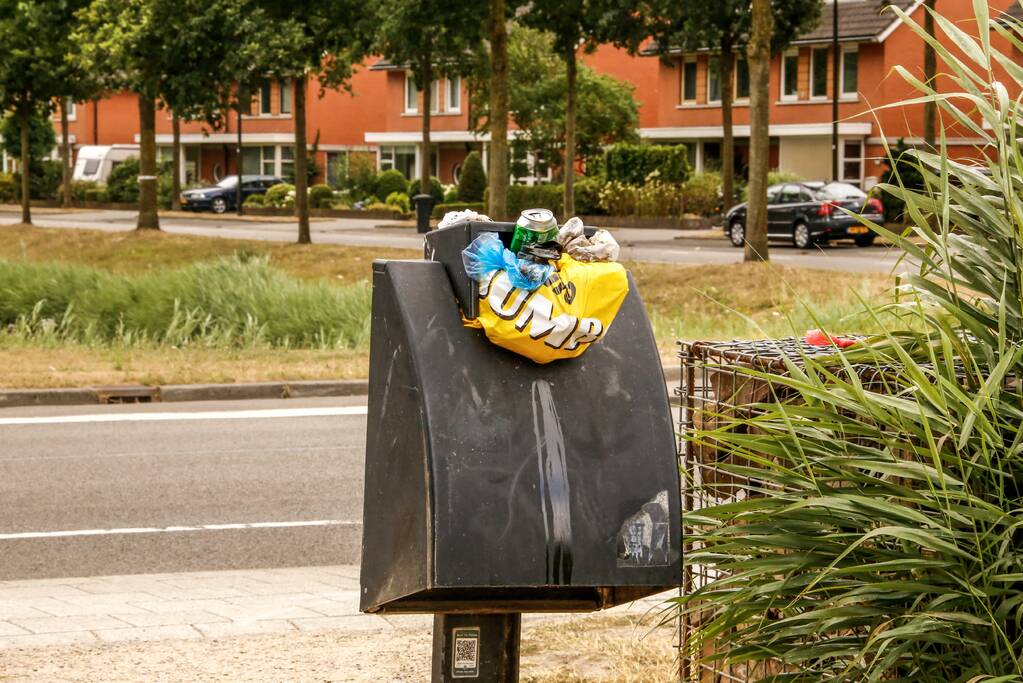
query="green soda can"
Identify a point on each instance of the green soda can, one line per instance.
(534, 226)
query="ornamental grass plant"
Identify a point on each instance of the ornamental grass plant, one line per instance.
(881, 538)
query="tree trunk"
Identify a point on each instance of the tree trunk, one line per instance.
(425, 170)
(570, 72)
(728, 137)
(65, 154)
(175, 162)
(760, 71)
(301, 165)
(930, 71)
(148, 218)
(25, 115)
(498, 123)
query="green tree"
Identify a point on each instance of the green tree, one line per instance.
(324, 41)
(537, 97)
(473, 181)
(584, 24)
(41, 141)
(432, 39)
(725, 26)
(34, 39)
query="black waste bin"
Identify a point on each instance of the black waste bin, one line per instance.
(494, 484)
(424, 208)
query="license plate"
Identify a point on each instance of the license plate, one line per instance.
(859, 230)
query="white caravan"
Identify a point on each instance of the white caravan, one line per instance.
(95, 162)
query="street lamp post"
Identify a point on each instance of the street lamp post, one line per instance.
(242, 94)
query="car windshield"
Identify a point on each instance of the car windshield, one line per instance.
(840, 191)
(228, 182)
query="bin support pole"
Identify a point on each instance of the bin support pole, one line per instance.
(484, 647)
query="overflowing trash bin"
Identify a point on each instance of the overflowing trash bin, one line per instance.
(497, 484)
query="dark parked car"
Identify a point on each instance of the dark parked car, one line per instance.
(809, 212)
(221, 197)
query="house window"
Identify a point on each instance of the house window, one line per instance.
(790, 76)
(265, 99)
(852, 161)
(689, 80)
(741, 79)
(714, 79)
(285, 97)
(411, 95)
(268, 160)
(819, 72)
(453, 103)
(288, 163)
(850, 71)
(401, 157)
(434, 97)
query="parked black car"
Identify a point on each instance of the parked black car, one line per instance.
(221, 197)
(809, 212)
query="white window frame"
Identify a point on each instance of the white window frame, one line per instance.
(435, 97)
(784, 76)
(735, 80)
(686, 61)
(284, 97)
(813, 73)
(710, 74)
(411, 89)
(841, 73)
(453, 94)
(843, 159)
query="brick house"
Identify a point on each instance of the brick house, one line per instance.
(679, 102)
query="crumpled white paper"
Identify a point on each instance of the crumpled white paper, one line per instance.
(601, 247)
(452, 217)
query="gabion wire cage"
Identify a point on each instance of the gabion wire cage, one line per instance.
(716, 389)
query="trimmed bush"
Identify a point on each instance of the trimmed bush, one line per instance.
(320, 197)
(472, 182)
(636, 164)
(44, 182)
(655, 198)
(7, 191)
(400, 201)
(451, 194)
(702, 194)
(253, 201)
(440, 209)
(123, 183)
(521, 197)
(436, 189)
(378, 206)
(587, 196)
(390, 181)
(281, 195)
(777, 177)
(96, 194)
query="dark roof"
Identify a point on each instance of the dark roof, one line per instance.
(858, 21)
(384, 64)
(862, 20)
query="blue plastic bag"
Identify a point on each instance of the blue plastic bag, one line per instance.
(487, 254)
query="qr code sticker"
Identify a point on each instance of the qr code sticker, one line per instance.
(465, 662)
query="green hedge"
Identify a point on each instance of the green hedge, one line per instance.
(634, 164)
(440, 209)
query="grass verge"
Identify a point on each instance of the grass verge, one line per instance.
(691, 302)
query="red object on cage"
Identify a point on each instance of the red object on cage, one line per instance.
(819, 338)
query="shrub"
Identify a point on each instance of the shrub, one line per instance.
(400, 201)
(451, 194)
(522, 197)
(472, 182)
(7, 191)
(80, 189)
(280, 196)
(702, 194)
(360, 178)
(254, 201)
(44, 182)
(655, 198)
(321, 197)
(96, 194)
(378, 206)
(390, 181)
(587, 195)
(440, 209)
(123, 183)
(635, 164)
(436, 189)
(777, 177)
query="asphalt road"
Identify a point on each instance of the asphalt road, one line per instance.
(655, 246)
(81, 498)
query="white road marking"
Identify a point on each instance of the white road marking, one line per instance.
(202, 415)
(175, 529)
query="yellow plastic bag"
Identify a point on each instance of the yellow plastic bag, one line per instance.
(561, 319)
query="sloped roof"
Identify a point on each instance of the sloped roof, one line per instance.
(859, 20)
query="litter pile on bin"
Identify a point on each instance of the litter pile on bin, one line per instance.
(550, 294)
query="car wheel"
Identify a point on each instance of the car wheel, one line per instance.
(219, 205)
(801, 235)
(865, 240)
(737, 233)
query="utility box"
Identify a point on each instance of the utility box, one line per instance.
(494, 484)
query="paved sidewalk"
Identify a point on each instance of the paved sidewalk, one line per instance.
(196, 605)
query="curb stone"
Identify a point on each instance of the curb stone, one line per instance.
(176, 393)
